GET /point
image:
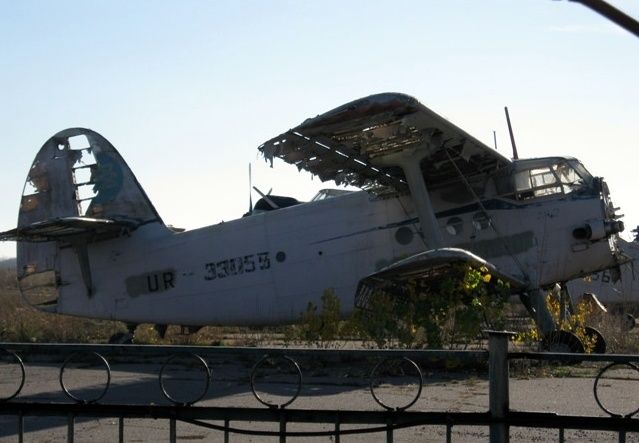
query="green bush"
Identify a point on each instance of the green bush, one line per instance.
(449, 311)
(321, 328)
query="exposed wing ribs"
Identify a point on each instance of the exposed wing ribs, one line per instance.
(343, 144)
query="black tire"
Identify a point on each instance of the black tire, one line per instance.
(562, 341)
(599, 340)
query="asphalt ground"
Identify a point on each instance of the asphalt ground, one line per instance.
(325, 388)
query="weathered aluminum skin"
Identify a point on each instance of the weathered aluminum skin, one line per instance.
(267, 267)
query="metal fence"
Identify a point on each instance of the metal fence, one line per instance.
(406, 365)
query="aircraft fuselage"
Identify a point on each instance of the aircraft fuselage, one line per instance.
(267, 267)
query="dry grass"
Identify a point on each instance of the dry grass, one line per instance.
(21, 323)
(619, 340)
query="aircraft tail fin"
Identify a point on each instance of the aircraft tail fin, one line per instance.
(78, 173)
(78, 190)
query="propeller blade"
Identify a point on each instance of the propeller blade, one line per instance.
(271, 203)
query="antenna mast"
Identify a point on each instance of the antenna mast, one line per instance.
(512, 137)
(250, 191)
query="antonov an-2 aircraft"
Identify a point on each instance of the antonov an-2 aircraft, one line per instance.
(433, 196)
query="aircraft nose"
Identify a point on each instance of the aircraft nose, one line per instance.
(598, 229)
(612, 224)
(610, 210)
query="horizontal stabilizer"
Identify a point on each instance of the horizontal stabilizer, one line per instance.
(66, 228)
(424, 268)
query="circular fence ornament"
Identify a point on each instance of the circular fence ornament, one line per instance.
(11, 363)
(392, 370)
(621, 380)
(187, 368)
(83, 359)
(273, 367)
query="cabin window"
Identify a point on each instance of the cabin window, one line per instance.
(323, 194)
(559, 178)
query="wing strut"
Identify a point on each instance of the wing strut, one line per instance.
(409, 160)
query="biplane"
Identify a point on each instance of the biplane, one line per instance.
(91, 244)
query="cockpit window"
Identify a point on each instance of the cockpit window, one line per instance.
(559, 178)
(581, 171)
(568, 177)
(323, 194)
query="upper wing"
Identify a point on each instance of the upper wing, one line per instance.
(342, 144)
(425, 269)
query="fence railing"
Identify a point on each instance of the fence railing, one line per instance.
(282, 365)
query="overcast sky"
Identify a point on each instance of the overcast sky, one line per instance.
(187, 90)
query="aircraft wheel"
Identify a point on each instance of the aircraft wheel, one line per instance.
(121, 338)
(562, 341)
(599, 340)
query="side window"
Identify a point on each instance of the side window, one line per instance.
(562, 177)
(523, 185)
(545, 182)
(537, 182)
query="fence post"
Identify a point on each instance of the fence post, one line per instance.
(172, 430)
(498, 385)
(21, 428)
(283, 421)
(70, 428)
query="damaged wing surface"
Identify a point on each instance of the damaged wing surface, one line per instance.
(343, 144)
(423, 269)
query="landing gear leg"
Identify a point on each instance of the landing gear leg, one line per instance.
(535, 303)
(566, 307)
